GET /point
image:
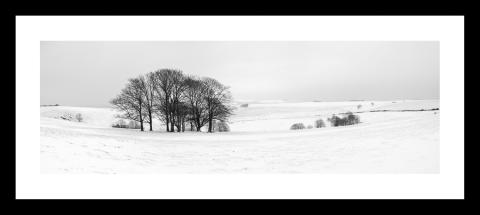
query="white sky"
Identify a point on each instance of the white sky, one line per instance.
(92, 73)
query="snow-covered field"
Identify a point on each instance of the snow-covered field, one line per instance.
(260, 141)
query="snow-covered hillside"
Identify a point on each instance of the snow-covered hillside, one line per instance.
(260, 141)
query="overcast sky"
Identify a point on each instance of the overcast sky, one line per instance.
(92, 73)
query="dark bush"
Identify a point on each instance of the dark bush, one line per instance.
(335, 120)
(297, 126)
(244, 105)
(352, 119)
(319, 123)
(348, 119)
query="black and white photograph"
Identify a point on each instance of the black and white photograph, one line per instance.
(239, 107)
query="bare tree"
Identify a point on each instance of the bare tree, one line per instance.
(147, 87)
(217, 98)
(130, 101)
(194, 97)
(177, 108)
(163, 87)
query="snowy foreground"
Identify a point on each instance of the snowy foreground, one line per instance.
(260, 141)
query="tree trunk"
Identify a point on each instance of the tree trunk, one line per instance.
(151, 120)
(183, 125)
(210, 124)
(179, 125)
(141, 119)
(167, 125)
(197, 124)
(167, 118)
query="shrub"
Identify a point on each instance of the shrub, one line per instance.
(297, 126)
(359, 106)
(134, 124)
(348, 119)
(79, 117)
(120, 124)
(222, 127)
(319, 123)
(66, 116)
(335, 120)
(244, 105)
(352, 119)
(309, 126)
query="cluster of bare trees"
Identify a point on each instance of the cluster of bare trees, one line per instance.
(175, 99)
